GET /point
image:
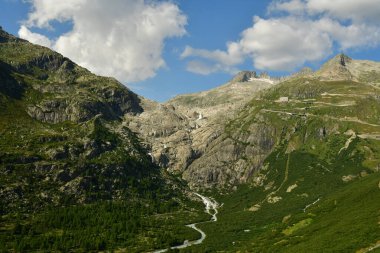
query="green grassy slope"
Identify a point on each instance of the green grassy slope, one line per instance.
(344, 219)
(72, 177)
(318, 190)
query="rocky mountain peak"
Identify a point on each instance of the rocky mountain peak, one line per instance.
(244, 76)
(341, 59)
(336, 69)
(77, 95)
(306, 71)
(342, 67)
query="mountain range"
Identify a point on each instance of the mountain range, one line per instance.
(88, 165)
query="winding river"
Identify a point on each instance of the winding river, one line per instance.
(211, 207)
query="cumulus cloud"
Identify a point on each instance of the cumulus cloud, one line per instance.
(355, 35)
(120, 38)
(215, 61)
(201, 68)
(283, 44)
(358, 11)
(233, 55)
(35, 38)
(305, 31)
(205, 68)
(294, 6)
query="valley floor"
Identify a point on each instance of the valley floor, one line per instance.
(211, 207)
(321, 214)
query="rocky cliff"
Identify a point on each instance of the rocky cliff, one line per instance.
(180, 131)
(222, 137)
(62, 139)
(212, 138)
(267, 122)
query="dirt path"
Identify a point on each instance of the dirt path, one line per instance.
(311, 204)
(285, 176)
(345, 119)
(369, 249)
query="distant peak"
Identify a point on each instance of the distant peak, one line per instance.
(244, 76)
(304, 72)
(341, 59)
(336, 68)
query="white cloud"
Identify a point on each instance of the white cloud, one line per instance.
(358, 11)
(233, 55)
(293, 6)
(203, 68)
(355, 35)
(120, 38)
(309, 31)
(46, 11)
(217, 60)
(283, 44)
(34, 37)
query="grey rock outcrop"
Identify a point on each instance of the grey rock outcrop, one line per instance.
(187, 135)
(110, 102)
(62, 140)
(336, 69)
(244, 76)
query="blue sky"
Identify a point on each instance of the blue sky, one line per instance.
(194, 45)
(211, 24)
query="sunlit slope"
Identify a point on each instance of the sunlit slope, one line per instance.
(318, 188)
(73, 178)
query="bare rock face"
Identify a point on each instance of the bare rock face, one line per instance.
(230, 160)
(50, 111)
(187, 134)
(60, 89)
(58, 163)
(111, 104)
(244, 76)
(166, 132)
(190, 134)
(342, 67)
(336, 69)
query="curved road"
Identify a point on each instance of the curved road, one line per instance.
(210, 204)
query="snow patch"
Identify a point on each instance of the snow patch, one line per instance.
(267, 80)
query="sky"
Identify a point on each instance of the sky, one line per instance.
(163, 48)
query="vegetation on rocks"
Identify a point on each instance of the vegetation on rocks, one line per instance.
(72, 177)
(295, 164)
(317, 184)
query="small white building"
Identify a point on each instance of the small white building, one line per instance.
(283, 99)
